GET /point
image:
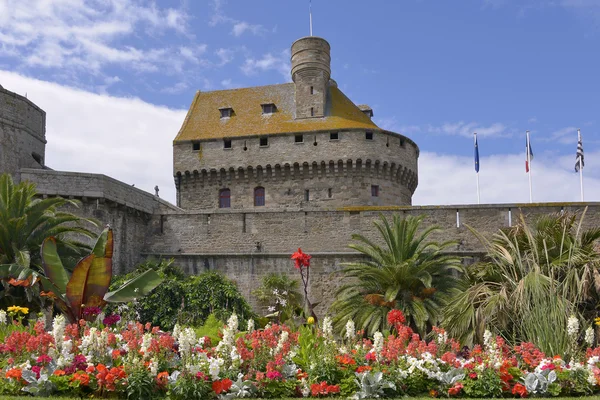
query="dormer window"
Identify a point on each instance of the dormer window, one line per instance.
(268, 108)
(226, 112)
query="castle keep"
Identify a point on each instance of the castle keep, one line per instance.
(260, 172)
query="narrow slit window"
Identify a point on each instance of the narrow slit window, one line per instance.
(329, 193)
(306, 195)
(312, 111)
(224, 198)
(259, 196)
(312, 90)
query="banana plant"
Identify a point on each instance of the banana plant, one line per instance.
(88, 284)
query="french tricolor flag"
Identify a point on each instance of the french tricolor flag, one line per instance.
(528, 153)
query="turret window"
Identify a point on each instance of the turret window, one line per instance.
(195, 146)
(374, 190)
(334, 136)
(312, 90)
(268, 108)
(259, 196)
(224, 198)
(227, 143)
(264, 141)
(369, 135)
(306, 195)
(299, 139)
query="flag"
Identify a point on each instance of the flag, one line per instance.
(476, 155)
(528, 152)
(579, 155)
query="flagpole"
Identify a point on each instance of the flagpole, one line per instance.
(529, 165)
(477, 172)
(580, 165)
(310, 15)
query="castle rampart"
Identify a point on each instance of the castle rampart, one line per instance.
(292, 164)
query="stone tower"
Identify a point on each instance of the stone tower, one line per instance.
(22, 133)
(311, 70)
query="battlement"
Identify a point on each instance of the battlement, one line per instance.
(21, 113)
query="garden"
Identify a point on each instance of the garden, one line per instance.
(410, 320)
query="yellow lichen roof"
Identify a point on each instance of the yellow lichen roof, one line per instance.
(203, 120)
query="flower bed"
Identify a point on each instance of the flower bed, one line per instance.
(112, 358)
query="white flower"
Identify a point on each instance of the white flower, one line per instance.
(214, 367)
(573, 326)
(282, 339)
(271, 308)
(186, 339)
(58, 330)
(377, 342)
(250, 327)
(232, 323)
(589, 336)
(146, 341)
(487, 339)
(327, 327)
(350, 330)
(283, 302)
(2, 317)
(276, 292)
(153, 367)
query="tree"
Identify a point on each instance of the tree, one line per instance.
(408, 272)
(26, 220)
(532, 279)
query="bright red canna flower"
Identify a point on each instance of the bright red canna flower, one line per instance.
(454, 390)
(221, 386)
(301, 259)
(520, 390)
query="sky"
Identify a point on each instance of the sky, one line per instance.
(116, 78)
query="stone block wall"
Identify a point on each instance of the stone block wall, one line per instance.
(22, 133)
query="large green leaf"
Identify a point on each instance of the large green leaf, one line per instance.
(53, 266)
(139, 286)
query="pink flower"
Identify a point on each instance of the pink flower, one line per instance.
(274, 375)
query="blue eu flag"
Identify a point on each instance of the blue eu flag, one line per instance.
(476, 155)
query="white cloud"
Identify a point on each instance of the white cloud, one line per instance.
(566, 135)
(269, 62)
(447, 179)
(131, 140)
(238, 27)
(467, 129)
(88, 35)
(225, 55)
(229, 84)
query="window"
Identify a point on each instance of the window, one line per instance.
(264, 142)
(334, 136)
(329, 193)
(306, 195)
(312, 90)
(268, 108)
(299, 139)
(226, 112)
(312, 111)
(374, 190)
(227, 143)
(224, 198)
(368, 113)
(369, 135)
(401, 142)
(195, 146)
(259, 196)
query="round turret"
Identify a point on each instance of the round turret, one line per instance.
(311, 70)
(311, 56)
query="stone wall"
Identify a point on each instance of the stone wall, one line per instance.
(247, 245)
(22, 133)
(348, 166)
(126, 209)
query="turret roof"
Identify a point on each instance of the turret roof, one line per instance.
(203, 120)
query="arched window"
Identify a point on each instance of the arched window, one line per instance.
(259, 196)
(224, 198)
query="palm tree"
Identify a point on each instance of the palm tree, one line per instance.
(406, 272)
(529, 283)
(26, 220)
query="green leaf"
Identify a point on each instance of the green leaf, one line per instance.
(53, 267)
(134, 288)
(104, 244)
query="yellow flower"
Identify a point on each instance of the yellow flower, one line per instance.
(597, 320)
(310, 320)
(17, 309)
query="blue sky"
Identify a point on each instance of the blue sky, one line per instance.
(434, 70)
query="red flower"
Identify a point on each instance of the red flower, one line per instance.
(301, 259)
(221, 386)
(454, 390)
(396, 317)
(519, 389)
